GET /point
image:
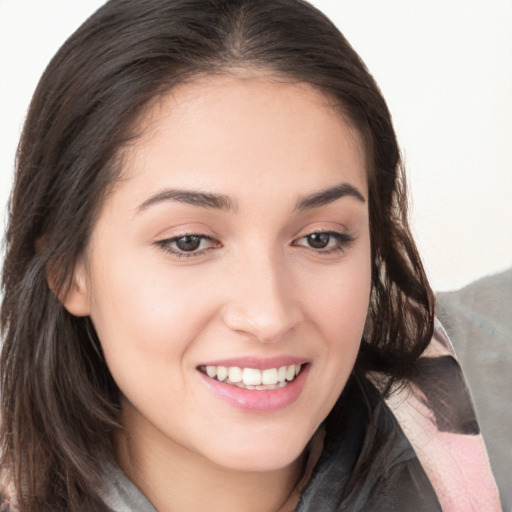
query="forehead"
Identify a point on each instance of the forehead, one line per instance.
(254, 127)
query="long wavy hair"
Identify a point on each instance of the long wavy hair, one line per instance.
(59, 402)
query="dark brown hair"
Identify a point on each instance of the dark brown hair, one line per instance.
(58, 400)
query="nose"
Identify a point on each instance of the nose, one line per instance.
(262, 300)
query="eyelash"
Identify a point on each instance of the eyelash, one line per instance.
(167, 245)
(342, 242)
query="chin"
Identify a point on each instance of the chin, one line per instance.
(263, 455)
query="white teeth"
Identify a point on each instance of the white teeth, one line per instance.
(261, 387)
(269, 376)
(252, 378)
(235, 374)
(222, 373)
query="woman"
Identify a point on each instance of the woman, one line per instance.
(210, 284)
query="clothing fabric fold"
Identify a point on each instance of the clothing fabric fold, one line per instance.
(444, 431)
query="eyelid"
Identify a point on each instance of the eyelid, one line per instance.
(342, 238)
(344, 241)
(166, 245)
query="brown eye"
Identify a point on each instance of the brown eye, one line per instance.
(188, 243)
(318, 240)
(325, 242)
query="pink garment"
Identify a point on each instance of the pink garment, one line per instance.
(456, 463)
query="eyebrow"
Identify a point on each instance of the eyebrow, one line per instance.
(223, 202)
(202, 199)
(329, 195)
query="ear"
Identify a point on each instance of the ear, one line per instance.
(74, 298)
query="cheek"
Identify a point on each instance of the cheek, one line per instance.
(338, 311)
(148, 319)
(344, 317)
(340, 303)
(143, 312)
(340, 308)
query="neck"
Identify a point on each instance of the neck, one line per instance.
(175, 479)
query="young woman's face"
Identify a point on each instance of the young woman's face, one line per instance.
(234, 252)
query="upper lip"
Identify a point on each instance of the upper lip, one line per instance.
(259, 363)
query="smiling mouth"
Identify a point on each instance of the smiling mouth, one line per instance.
(253, 378)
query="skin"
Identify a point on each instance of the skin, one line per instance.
(255, 287)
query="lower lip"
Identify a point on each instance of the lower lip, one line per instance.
(253, 400)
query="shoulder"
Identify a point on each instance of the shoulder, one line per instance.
(367, 462)
(436, 414)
